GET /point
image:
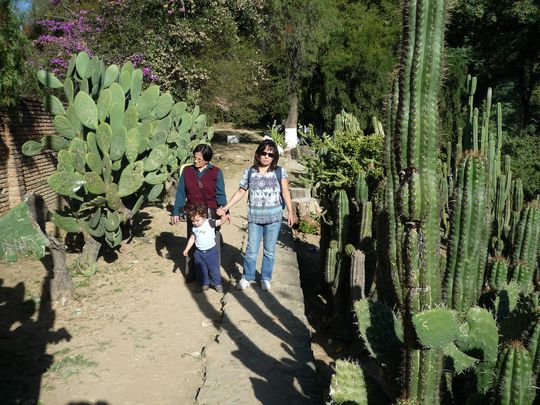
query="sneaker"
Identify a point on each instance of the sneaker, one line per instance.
(265, 285)
(219, 288)
(242, 284)
(201, 288)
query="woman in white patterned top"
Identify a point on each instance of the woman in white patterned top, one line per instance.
(268, 187)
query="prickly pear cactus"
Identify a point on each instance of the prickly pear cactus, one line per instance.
(117, 144)
(20, 235)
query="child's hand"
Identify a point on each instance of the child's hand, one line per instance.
(186, 251)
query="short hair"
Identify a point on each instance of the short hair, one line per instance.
(205, 150)
(196, 209)
(267, 143)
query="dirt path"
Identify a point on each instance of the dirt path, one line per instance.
(134, 333)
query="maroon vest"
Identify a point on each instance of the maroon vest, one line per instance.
(194, 194)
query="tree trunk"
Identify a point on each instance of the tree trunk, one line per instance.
(61, 285)
(90, 251)
(291, 124)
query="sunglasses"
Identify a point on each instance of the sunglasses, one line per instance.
(269, 154)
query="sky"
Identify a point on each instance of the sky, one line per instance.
(23, 5)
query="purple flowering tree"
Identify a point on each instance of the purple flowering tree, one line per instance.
(72, 29)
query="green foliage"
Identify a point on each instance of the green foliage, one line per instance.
(525, 163)
(512, 64)
(354, 70)
(116, 145)
(12, 54)
(219, 66)
(307, 227)
(339, 158)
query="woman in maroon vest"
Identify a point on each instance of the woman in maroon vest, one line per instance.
(201, 183)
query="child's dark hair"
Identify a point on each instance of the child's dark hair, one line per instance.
(196, 209)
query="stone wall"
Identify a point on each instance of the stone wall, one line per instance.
(20, 174)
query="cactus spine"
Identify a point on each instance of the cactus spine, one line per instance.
(416, 161)
(513, 377)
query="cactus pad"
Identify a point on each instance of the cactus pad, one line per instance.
(348, 385)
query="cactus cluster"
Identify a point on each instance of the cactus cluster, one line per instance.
(117, 144)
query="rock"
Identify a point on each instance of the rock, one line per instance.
(304, 206)
(298, 192)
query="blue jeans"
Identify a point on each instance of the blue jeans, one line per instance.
(207, 266)
(269, 234)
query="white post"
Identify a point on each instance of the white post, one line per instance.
(291, 138)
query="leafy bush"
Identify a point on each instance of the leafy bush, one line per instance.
(339, 158)
(525, 164)
(308, 227)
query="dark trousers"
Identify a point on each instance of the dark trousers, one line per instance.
(190, 267)
(207, 266)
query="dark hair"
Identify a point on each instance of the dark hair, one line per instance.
(197, 209)
(205, 150)
(267, 143)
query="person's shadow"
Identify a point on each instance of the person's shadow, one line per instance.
(23, 340)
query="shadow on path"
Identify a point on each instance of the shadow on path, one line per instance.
(271, 342)
(23, 340)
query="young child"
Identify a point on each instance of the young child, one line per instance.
(206, 254)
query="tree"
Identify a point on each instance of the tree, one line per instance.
(501, 39)
(354, 69)
(12, 54)
(298, 29)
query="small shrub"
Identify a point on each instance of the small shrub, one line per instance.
(308, 227)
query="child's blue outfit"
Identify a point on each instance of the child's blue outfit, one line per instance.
(206, 255)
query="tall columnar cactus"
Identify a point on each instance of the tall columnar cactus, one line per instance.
(513, 376)
(416, 160)
(464, 280)
(525, 252)
(117, 144)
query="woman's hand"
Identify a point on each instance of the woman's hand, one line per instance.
(175, 219)
(290, 220)
(221, 212)
(185, 252)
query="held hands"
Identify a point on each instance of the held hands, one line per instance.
(221, 212)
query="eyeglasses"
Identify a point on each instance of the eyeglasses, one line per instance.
(269, 154)
(196, 159)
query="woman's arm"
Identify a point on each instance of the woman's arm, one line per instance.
(287, 198)
(237, 196)
(180, 199)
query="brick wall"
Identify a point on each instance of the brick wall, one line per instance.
(20, 174)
